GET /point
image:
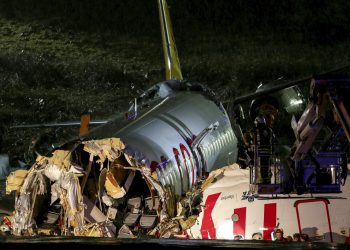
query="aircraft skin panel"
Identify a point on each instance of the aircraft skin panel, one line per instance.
(166, 125)
(229, 191)
(151, 152)
(180, 107)
(199, 111)
(204, 112)
(168, 131)
(157, 140)
(218, 150)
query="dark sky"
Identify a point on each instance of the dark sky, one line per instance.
(309, 20)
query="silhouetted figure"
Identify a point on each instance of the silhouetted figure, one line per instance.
(289, 238)
(264, 112)
(304, 237)
(296, 237)
(263, 141)
(279, 235)
(257, 236)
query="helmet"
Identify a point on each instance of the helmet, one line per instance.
(263, 105)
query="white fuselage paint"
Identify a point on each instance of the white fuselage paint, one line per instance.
(272, 211)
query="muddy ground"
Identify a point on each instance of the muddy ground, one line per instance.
(51, 72)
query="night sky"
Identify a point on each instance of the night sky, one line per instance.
(300, 20)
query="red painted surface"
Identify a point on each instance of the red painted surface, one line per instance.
(176, 154)
(270, 214)
(183, 150)
(239, 226)
(207, 227)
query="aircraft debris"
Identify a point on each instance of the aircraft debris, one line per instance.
(54, 198)
(60, 183)
(15, 180)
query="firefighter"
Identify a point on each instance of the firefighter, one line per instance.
(264, 111)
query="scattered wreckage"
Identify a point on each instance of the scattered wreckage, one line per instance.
(95, 189)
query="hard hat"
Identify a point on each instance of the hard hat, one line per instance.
(263, 105)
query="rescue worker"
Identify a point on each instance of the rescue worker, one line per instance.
(263, 145)
(264, 111)
(279, 235)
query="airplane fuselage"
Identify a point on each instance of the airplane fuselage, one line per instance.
(180, 134)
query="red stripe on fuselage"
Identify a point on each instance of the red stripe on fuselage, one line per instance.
(183, 150)
(176, 154)
(239, 226)
(270, 215)
(207, 227)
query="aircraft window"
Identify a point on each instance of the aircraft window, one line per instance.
(144, 98)
(196, 87)
(149, 95)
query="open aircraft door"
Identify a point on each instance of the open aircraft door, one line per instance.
(313, 218)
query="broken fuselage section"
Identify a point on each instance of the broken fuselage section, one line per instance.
(178, 130)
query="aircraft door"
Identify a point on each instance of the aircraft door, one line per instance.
(313, 218)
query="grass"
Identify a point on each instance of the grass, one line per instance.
(49, 74)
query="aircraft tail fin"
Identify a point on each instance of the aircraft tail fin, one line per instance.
(172, 62)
